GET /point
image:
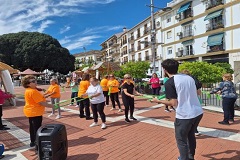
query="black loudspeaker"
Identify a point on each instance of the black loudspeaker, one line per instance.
(51, 142)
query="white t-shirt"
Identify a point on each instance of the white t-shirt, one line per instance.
(92, 90)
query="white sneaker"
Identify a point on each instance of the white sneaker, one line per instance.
(120, 110)
(107, 105)
(50, 115)
(76, 106)
(93, 124)
(70, 105)
(58, 117)
(103, 126)
(112, 109)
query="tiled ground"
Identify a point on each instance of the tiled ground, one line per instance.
(145, 139)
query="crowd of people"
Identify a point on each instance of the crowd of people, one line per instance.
(181, 89)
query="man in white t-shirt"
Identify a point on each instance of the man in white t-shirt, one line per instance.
(181, 93)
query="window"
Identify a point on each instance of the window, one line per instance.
(188, 50)
(169, 50)
(169, 34)
(168, 17)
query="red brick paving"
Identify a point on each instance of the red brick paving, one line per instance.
(121, 141)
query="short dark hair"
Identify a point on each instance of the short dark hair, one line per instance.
(85, 77)
(26, 80)
(170, 65)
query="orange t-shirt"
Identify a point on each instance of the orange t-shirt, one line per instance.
(54, 88)
(103, 84)
(32, 98)
(83, 86)
(113, 86)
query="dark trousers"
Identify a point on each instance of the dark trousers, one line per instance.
(84, 104)
(98, 108)
(105, 93)
(1, 116)
(114, 97)
(35, 124)
(128, 102)
(73, 95)
(228, 108)
(185, 136)
(155, 91)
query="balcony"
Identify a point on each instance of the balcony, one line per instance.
(124, 52)
(139, 59)
(214, 25)
(131, 50)
(139, 47)
(138, 35)
(184, 15)
(215, 48)
(186, 33)
(146, 31)
(146, 45)
(131, 38)
(124, 42)
(133, 59)
(213, 3)
(149, 58)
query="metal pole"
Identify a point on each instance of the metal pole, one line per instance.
(153, 40)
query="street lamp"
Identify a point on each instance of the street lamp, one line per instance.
(153, 31)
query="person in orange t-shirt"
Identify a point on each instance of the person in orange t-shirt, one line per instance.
(105, 88)
(34, 108)
(113, 85)
(84, 100)
(54, 93)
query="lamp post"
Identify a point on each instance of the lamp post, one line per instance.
(153, 32)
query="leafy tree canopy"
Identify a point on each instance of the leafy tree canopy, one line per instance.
(205, 72)
(35, 50)
(136, 69)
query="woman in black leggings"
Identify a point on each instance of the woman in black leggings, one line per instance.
(128, 97)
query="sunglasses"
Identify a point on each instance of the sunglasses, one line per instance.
(32, 81)
(111, 76)
(128, 78)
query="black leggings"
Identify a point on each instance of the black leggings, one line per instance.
(128, 102)
(105, 93)
(35, 124)
(84, 104)
(98, 108)
(74, 96)
(114, 97)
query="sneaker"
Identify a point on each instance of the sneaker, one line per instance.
(112, 109)
(167, 110)
(82, 116)
(103, 126)
(120, 110)
(197, 134)
(172, 109)
(224, 123)
(50, 115)
(231, 120)
(4, 128)
(133, 118)
(89, 118)
(76, 106)
(93, 124)
(58, 117)
(107, 105)
(32, 144)
(127, 120)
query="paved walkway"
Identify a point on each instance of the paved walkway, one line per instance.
(150, 138)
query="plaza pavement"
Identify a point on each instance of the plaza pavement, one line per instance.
(149, 138)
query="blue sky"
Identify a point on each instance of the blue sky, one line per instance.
(74, 23)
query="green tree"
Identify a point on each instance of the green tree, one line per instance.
(36, 51)
(226, 66)
(205, 72)
(136, 69)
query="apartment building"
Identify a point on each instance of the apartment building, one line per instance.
(89, 57)
(194, 30)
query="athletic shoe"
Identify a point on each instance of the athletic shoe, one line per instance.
(89, 118)
(133, 118)
(50, 115)
(167, 110)
(107, 105)
(127, 120)
(112, 109)
(32, 144)
(224, 123)
(120, 110)
(93, 124)
(58, 117)
(76, 106)
(197, 133)
(172, 109)
(103, 126)
(82, 116)
(4, 128)
(231, 120)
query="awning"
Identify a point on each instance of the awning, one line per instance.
(184, 7)
(187, 42)
(216, 39)
(213, 15)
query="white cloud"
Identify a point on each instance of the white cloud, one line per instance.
(44, 25)
(64, 29)
(101, 29)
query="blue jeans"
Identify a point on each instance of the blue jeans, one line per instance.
(228, 108)
(155, 91)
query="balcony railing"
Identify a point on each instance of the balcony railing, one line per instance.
(186, 33)
(146, 45)
(133, 59)
(124, 52)
(215, 48)
(138, 35)
(186, 14)
(131, 50)
(213, 3)
(131, 38)
(149, 58)
(139, 59)
(188, 53)
(146, 30)
(124, 42)
(139, 47)
(214, 25)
